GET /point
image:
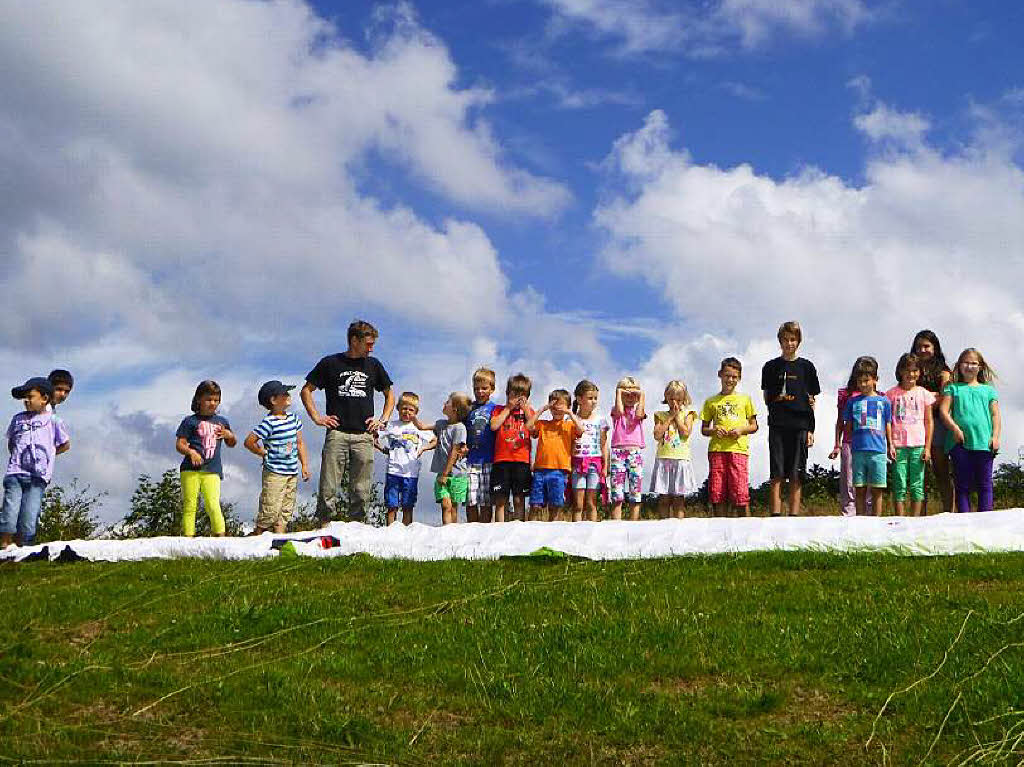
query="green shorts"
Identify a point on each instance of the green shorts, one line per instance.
(453, 488)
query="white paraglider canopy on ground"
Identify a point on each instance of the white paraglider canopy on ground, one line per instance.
(993, 531)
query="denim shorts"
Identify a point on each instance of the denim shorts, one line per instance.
(400, 492)
(548, 487)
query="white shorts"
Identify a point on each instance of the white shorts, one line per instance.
(479, 493)
(673, 476)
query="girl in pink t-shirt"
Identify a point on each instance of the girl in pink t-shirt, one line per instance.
(626, 473)
(911, 434)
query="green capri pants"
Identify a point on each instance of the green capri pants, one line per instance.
(908, 474)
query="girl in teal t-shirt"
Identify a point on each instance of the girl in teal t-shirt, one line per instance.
(970, 409)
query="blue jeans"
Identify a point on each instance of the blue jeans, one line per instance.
(23, 497)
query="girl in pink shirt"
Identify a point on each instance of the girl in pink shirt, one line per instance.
(626, 473)
(911, 434)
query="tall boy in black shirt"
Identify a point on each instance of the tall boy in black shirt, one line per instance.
(789, 384)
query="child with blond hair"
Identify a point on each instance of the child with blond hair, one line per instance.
(403, 441)
(672, 479)
(481, 447)
(970, 410)
(450, 456)
(626, 473)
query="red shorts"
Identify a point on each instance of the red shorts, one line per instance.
(728, 479)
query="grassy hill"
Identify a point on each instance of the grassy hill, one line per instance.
(777, 657)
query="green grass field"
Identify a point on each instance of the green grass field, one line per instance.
(761, 658)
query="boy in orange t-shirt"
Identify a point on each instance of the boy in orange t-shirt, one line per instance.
(553, 461)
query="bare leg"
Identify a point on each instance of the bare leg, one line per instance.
(878, 501)
(664, 506)
(901, 508)
(679, 506)
(407, 517)
(796, 488)
(917, 508)
(634, 511)
(592, 505)
(472, 513)
(486, 513)
(775, 497)
(446, 511)
(579, 498)
(519, 504)
(499, 509)
(617, 510)
(861, 494)
(392, 513)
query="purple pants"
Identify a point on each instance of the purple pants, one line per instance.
(972, 470)
(847, 497)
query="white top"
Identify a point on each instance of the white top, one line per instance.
(403, 441)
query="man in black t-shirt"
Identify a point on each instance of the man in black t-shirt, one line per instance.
(349, 380)
(789, 384)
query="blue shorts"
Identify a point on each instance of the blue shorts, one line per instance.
(400, 492)
(869, 469)
(548, 487)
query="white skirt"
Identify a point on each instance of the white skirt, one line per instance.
(673, 476)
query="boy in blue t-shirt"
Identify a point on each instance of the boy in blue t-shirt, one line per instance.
(481, 447)
(277, 439)
(870, 417)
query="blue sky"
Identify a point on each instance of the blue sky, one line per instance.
(575, 188)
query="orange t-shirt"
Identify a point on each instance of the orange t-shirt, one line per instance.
(554, 444)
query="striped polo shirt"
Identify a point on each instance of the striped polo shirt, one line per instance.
(280, 438)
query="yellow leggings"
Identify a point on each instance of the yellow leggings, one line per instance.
(192, 483)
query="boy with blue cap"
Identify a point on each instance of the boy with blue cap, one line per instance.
(277, 439)
(35, 437)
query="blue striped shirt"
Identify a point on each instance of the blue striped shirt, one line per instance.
(280, 438)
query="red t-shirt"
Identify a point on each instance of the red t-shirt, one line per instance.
(512, 440)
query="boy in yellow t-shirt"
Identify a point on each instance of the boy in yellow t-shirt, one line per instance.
(728, 418)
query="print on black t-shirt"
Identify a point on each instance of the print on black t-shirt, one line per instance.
(788, 386)
(349, 384)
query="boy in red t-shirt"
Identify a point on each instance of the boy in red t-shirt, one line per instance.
(510, 474)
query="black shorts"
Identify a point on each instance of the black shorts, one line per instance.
(510, 478)
(787, 453)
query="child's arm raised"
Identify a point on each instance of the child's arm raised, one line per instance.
(182, 446)
(687, 427)
(531, 422)
(997, 425)
(618, 408)
(640, 412)
(578, 426)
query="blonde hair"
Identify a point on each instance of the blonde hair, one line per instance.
(484, 374)
(628, 383)
(409, 397)
(676, 389)
(462, 403)
(792, 327)
(986, 375)
(583, 387)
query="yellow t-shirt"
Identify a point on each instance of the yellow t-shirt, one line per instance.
(672, 445)
(728, 411)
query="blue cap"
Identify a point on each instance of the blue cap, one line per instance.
(40, 384)
(272, 389)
